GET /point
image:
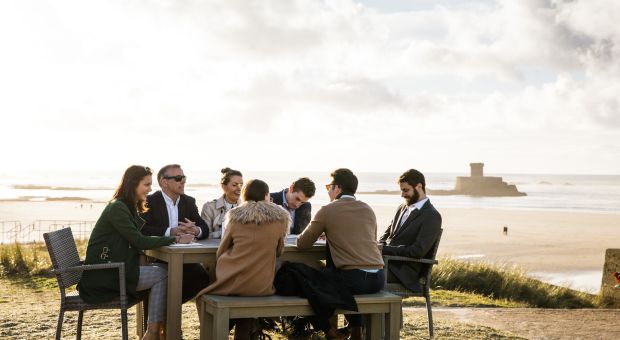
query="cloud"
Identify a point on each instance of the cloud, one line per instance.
(478, 75)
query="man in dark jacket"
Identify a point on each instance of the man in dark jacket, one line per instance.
(295, 200)
(172, 213)
(413, 230)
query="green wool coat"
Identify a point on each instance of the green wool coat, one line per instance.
(116, 238)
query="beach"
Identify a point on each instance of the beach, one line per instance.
(559, 247)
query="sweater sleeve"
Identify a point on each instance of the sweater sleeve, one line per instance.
(317, 226)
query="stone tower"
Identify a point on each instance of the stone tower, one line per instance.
(476, 169)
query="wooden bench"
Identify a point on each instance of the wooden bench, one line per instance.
(218, 310)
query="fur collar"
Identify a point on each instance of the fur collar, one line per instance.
(257, 212)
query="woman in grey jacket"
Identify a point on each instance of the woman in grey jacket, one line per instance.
(213, 212)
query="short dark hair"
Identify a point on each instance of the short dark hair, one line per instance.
(126, 191)
(162, 171)
(304, 185)
(345, 179)
(227, 173)
(413, 177)
(254, 190)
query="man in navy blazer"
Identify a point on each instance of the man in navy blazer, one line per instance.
(170, 213)
(295, 200)
(413, 231)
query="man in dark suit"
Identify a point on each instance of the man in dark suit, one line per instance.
(413, 231)
(295, 200)
(172, 213)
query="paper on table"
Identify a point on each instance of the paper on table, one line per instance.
(193, 244)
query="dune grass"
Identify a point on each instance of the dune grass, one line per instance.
(506, 282)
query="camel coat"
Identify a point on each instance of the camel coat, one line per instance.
(246, 257)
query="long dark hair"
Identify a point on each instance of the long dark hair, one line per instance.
(126, 191)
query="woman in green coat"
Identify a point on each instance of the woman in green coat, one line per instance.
(117, 238)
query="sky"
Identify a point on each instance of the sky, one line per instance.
(525, 86)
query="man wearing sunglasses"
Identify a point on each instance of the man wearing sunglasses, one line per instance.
(172, 213)
(295, 200)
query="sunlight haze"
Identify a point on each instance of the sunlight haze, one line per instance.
(524, 86)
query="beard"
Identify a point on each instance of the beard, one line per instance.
(413, 199)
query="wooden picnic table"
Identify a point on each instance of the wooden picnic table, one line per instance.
(204, 253)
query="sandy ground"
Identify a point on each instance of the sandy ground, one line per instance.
(554, 245)
(533, 323)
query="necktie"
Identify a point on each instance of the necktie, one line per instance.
(406, 215)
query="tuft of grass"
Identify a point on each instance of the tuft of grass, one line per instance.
(452, 298)
(24, 259)
(504, 282)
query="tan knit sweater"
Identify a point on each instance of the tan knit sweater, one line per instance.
(351, 230)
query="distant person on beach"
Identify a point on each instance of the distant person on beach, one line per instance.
(246, 256)
(116, 238)
(353, 258)
(172, 213)
(295, 200)
(413, 230)
(213, 212)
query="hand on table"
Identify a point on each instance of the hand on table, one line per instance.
(189, 227)
(185, 238)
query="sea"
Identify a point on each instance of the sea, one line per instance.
(545, 192)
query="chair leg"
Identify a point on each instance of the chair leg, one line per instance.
(124, 324)
(79, 325)
(429, 312)
(61, 315)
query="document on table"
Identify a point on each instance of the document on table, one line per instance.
(193, 244)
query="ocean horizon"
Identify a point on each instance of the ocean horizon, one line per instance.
(545, 192)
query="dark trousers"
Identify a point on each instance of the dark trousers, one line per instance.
(195, 278)
(356, 281)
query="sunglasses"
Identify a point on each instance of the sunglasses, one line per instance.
(178, 178)
(329, 186)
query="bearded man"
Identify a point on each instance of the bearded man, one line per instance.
(412, 232)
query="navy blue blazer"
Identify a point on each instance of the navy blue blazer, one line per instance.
(157, 216)
(303, 214)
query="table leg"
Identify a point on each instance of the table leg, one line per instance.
(175, 287)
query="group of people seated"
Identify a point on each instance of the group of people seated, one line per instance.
(252, 224)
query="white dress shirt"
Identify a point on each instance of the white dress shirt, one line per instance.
(415, 206)
(173, 214)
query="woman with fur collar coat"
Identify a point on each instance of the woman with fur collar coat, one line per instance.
(254, 237)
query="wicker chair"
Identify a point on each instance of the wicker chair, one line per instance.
(425, 280)
(68, 270)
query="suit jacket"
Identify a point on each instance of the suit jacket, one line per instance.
(415, 238)
(303, 214)
(157, 216)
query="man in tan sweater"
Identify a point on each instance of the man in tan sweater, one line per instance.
(353, 258)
